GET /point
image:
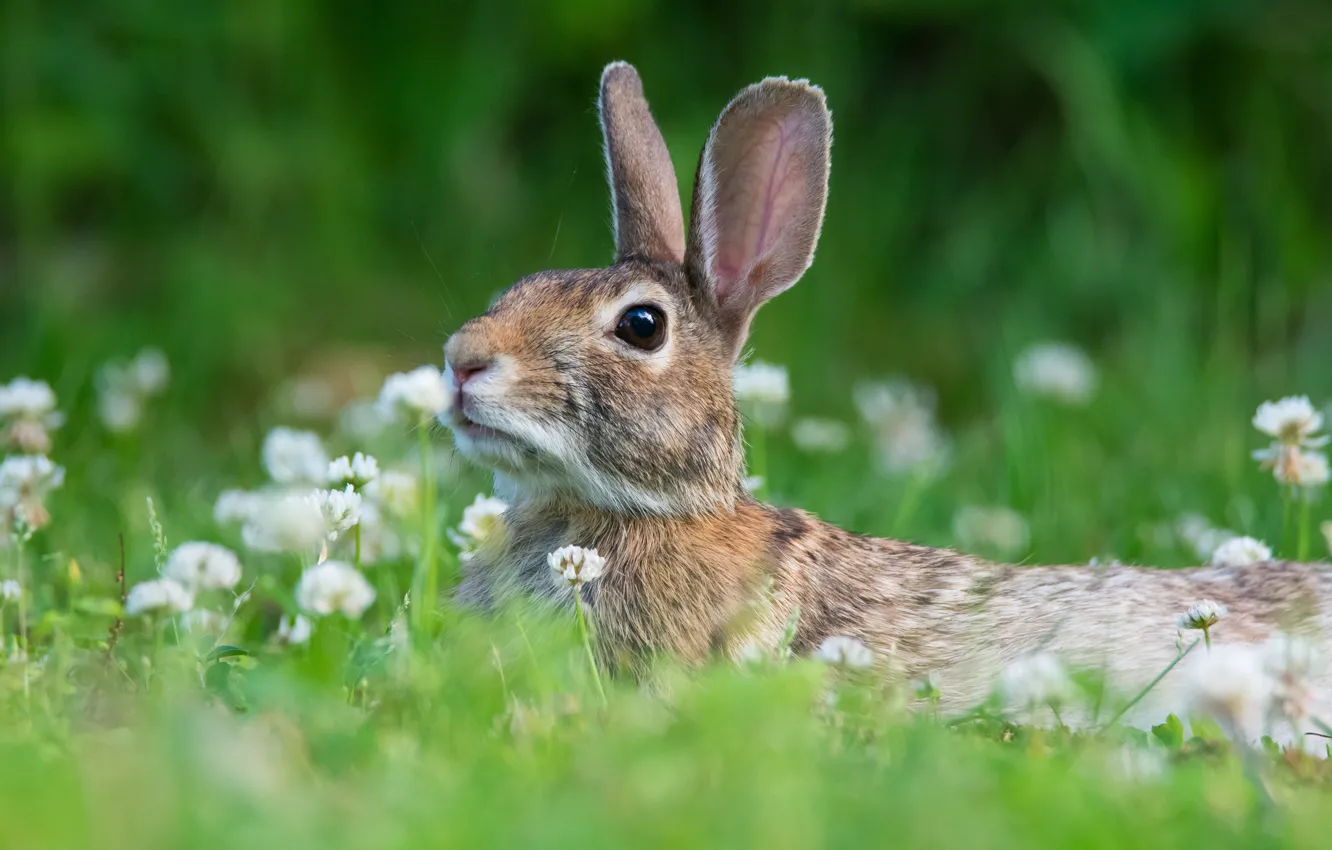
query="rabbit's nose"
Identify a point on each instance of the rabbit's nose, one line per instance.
(465, 370)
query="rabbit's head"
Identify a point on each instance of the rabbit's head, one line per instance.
(613, 386)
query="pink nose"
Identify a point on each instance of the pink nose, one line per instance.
(464, 372)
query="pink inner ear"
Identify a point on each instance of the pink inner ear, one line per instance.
(760, 187)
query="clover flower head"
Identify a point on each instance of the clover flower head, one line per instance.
(1240, 552)
(333, 586)
(294, 457)
(1202, 615)
(203, 566)
(356, 471)
(576, 566)
(414, 396)
(1056, 370)
(844, 651)
(162, 594)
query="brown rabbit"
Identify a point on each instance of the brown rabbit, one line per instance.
(602, 399)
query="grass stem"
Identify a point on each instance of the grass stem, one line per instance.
(22, 571)
(1284, 548)
(1306, 517)
(1153, 683)
(906, 509)
(587, 645)
(425, 584)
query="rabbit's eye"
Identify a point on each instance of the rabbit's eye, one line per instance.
(642, 327)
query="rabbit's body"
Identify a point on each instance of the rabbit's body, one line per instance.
(602, 398)
(715, 584)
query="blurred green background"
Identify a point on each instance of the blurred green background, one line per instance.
(269, 187)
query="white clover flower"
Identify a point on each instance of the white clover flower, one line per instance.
(414, 396)
(1202, 615)
(878, 401)
(162, 594)
(1291, 420)
(1294, 423)
(25, 481)
(1056, 370)
(914, 445)
(926, 687)
(759, 381)
(752, 652)
(1240, 552)
(575, 565)
(288, 523)
(1037, 679)
(295, 457)
(1199, 534)
(149, 371)
(28, 436)
(1293, 465)
(482, 522)
(1290, 662)
(762, 390)
(362, 420)
(356, 471)
(294, 630)
(1260, 689)
(235, 506)
(308, 397)
(28, 476)
(203, 622)
(396, 491)
(814, 434)
(119, 411)
(10, 590)
(1310, 469)
(906, 437)
(752, 483)
(341, 509)
(1230, 685)
(124, 388)
(203, 566)
(24, 398)
(1001, 530)
(845, 652)
(334, 586)
(28, 412)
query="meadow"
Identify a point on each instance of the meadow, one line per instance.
(1068, 255)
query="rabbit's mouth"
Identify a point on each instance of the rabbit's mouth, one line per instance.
(475, 430)
(486, 444)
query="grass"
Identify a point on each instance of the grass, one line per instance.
(493, 730)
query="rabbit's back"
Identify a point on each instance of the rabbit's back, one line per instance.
(942, 613)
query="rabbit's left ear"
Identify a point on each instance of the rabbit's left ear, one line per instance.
(759, 197)
(645, 197)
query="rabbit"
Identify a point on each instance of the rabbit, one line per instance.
(602, 400)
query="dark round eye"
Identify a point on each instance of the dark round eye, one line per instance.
(642, 327)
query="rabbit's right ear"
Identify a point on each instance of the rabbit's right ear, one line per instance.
(758, 198)
(645, 197)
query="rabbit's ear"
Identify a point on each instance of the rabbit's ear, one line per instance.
(759, 196)
(645, 197)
